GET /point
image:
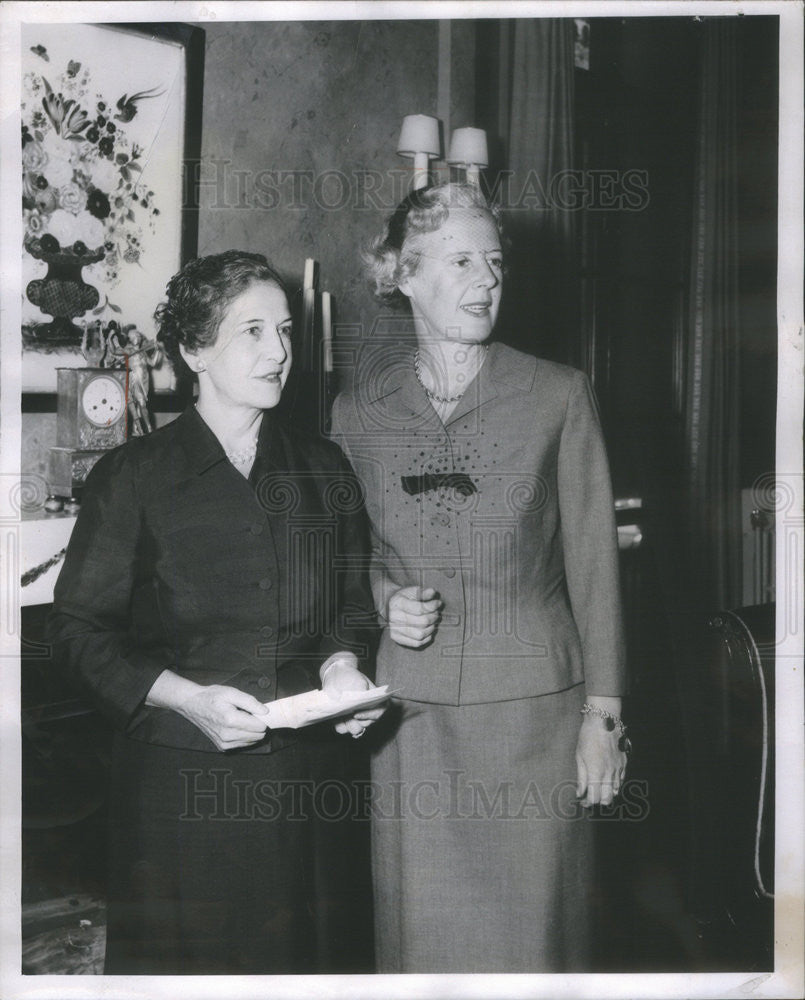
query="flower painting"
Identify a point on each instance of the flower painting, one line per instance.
(81, 187)
(101, 146)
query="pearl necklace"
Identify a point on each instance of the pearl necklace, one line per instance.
(432, 395)
(242, 457)
(245, 455)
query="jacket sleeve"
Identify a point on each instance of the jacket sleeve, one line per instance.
(589, 541)
(90, 627)
(355, 616)
(381, 581)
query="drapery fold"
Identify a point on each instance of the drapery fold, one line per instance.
(711, 389)
(541, 307)
(541, 310)
(707, 538)
(541, 122)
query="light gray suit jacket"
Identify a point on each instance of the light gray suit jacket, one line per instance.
(507, 511)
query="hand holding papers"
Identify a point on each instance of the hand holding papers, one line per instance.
(318, 706)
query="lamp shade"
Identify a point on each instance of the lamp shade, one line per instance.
(419, 134)
(467, 147)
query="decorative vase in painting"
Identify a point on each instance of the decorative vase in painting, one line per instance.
(62, 293)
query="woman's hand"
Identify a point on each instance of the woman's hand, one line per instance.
(224, 714)
(600, 764)
(413, 616)
(344, 676)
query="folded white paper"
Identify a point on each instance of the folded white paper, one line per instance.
(317, 706)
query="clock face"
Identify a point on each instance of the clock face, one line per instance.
(103, 401)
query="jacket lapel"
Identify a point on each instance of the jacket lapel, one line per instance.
(201, 446)
(405, 406)
(479, 391)
(401, 403)
(502, 374)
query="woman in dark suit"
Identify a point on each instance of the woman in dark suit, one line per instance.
(217, 564)
(495, 572)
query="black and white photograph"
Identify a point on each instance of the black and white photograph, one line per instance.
(402, 500)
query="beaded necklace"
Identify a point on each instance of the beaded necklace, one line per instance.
(432, 395)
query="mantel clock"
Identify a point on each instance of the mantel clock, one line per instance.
(90, 419)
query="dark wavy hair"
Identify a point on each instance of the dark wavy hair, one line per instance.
(388, 259)
(200, 294)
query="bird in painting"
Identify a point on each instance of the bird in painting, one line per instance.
(127, 106)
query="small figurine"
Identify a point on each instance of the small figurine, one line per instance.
(93, 343)
(139, 356)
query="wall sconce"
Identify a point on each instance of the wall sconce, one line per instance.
(468, 149)
(419, 138)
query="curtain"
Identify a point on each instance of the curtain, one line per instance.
(541, 301)
(541, 115)
(711, 388)
(706, 533)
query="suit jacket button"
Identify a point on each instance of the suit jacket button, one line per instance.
(264, 682)
(266, 631)
(449, 572)
(256, 529)
(265, 583)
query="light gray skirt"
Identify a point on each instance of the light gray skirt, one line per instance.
(482, 858)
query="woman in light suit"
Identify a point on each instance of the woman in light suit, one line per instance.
(495, 573)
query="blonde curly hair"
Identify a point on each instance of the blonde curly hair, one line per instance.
(389, 258)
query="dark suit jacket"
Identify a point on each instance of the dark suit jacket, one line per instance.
(519, 539)
(176, 561)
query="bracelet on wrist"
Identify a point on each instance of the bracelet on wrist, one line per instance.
(612, 723)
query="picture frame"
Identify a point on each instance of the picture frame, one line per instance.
(113, 113)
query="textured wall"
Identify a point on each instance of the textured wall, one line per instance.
(317, 97)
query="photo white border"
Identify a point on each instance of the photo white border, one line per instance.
(787, 979)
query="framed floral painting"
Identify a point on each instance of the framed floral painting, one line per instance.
(110, 123)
